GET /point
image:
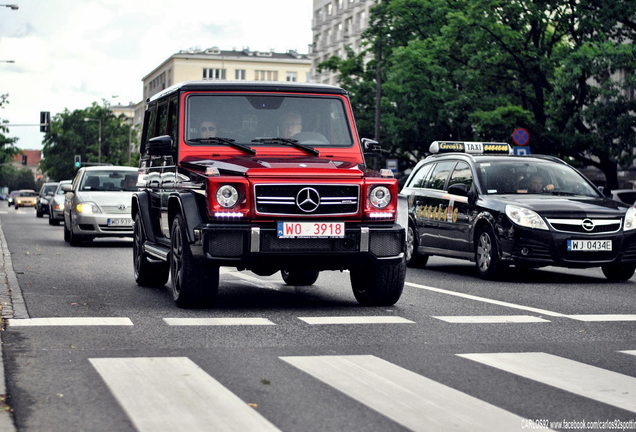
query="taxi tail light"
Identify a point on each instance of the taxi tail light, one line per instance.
(238, 211)
(370, 211)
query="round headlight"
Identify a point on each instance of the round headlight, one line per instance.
(227, 196)
(380, 197)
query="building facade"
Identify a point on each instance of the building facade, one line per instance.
(336, 25)
(216, 64)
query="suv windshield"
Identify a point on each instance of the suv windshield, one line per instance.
(109, 181)
(260, 120)
(533, 176)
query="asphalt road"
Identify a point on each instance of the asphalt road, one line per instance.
(86, 349)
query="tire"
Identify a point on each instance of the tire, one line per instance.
(51, 219)
(38, 213)
(412, 257)
(378, 285)
(67, 234)
(299, 277)
(618, 272)
(146, 273)
(487, 254)
(194, 283)
(75, 239)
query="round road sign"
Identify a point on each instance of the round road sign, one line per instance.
(521, 136)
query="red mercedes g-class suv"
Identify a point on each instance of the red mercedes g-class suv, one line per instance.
(264, 177)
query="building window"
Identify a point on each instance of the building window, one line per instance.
(291, 76)
(264, 75)
(329, 9)
(213, 74)
(239, 74)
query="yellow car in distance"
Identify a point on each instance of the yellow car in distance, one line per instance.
(26, 198)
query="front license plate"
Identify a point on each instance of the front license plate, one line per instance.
(119, 222)
(589, 245)
(311, 229)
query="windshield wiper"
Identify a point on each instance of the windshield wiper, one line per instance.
(288, 141)
(228, 141)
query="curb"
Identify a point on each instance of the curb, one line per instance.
(13, 306)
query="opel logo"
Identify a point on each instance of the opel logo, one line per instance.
(588, 224)
(121, 206)
(308, 199)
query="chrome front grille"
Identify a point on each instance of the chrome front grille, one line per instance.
(586, 225)
(116, 209)
(307, 199)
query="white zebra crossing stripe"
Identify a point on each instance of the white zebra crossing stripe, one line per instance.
(174, 394)
(70, 321)
(407, 398)
(584, 380)
(606, 317)
(493, 319)
(216, 321)
(356, 320)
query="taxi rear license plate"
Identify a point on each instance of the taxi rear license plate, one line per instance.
(119, 222)
(310, 229)
(589, 245)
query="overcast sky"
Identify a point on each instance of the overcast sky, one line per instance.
(70, 53)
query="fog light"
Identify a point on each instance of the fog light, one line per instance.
(525, 251)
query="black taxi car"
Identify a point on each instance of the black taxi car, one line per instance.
(478, 202)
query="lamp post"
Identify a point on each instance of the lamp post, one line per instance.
(99, 155)
(12, 6)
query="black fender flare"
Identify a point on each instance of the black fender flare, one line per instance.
(141, 204)
(186, 204)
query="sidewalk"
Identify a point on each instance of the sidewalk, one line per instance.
(12, 306)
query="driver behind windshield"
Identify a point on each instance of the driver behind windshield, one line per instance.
(291, 123)
(207, 129)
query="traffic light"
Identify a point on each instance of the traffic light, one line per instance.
(45, 121)
(78, 161)
(24, 159)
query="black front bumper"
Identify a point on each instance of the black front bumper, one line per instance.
(258, 246)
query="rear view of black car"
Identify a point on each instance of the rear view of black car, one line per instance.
(476, 201)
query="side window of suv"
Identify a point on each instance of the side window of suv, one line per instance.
(461, 174)
(438, 177)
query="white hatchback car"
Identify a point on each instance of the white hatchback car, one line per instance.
(98, 203)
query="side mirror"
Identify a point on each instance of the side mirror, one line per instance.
(607, 192)
(67, 187)
(458, 189)
(370, 146)
(159, 146)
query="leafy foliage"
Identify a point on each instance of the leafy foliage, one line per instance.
(477, 69)
(71, 135)
(9, 176)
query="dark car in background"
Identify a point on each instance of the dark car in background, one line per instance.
(45, 194)
(11, 198)
(478, 202)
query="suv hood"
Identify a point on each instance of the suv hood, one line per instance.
(573, 206)
(278, 167)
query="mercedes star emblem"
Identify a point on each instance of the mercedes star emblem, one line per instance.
(308, 199)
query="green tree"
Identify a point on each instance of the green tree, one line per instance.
(70, 134)
(7, 150)
(476, 69)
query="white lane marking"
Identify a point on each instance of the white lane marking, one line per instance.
(492, 319)
(600, 318)
(69, 321)
(581, 379)
(356, 320)
(487, 300)
(174, 394)
(630, 352)
(217, 321)
(407, 398)
(257, 282)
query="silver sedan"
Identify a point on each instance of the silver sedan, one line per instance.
(98, 203)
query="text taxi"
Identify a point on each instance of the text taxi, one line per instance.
(476, 201)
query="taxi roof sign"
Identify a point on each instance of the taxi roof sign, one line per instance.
(470, 147)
